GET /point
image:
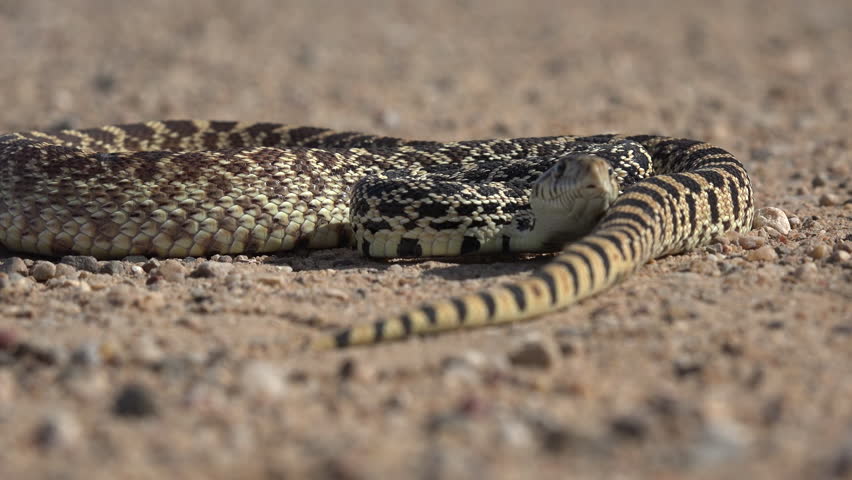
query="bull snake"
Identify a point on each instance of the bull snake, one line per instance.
(195, 188)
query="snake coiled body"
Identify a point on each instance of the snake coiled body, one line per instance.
(195, 188)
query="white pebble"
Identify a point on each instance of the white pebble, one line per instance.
(773, 218)
(263, 380)
(840, 256)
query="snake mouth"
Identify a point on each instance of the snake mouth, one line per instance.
(574, 180)
(570, 198)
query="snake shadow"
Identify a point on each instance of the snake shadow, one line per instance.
(448, 268)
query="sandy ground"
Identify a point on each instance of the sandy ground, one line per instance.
(729, 362)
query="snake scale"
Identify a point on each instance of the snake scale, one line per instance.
(196, 188)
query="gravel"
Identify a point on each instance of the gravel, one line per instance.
(134, 401)
(725, 362)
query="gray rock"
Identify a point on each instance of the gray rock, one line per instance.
(113, 267)
(81, 262)
(134, 401)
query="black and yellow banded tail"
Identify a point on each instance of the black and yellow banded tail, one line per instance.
(703, 192)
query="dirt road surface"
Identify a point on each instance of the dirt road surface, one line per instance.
(734, 361)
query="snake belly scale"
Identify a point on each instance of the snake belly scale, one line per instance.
(195, 188)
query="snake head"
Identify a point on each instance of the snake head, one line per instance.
(570, 197)
(576, 177)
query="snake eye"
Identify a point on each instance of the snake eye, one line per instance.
(560, 168)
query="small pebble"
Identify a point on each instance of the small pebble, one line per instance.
(81, 262)
(731, 236)
(98, 282)
(263, 380)
(535, 352)
(829, 200)
(684, 367)
(134, 401)
(59, 429)
(14, 265)
(210, 269)
(112, 267)
(840, 256)
(773, 218)
(819, 251)
(763, 254)
(750, 243)
(629, 427)
(43, 271)
(795, 222)
(151, 264)
(395, 268)
(63, 270)
(135, 259)
(715, 248)
(172, 270)
(464, 369)
(818, 181)
(347, 369)
(86, 355)
(285, 269)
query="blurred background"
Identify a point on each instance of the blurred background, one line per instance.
(447, 69)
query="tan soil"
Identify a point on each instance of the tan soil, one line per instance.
(721, 363)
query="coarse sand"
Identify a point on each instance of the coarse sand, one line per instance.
(732, 361)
